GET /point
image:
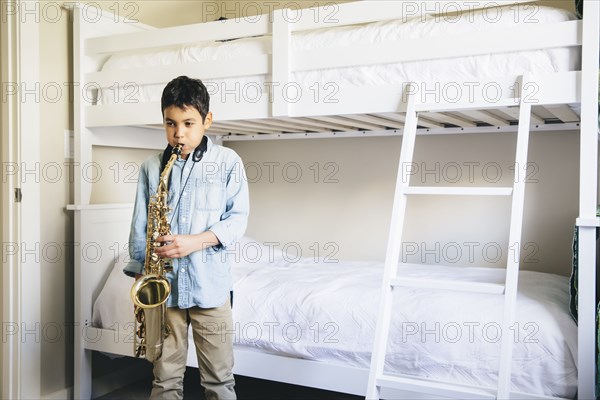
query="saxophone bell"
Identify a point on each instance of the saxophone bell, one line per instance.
(150, 291)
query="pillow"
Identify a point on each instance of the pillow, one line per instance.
(113, 308)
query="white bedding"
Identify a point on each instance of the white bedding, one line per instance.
(327, 311)
(460, 69)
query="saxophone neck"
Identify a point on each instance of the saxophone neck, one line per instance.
(164, 176)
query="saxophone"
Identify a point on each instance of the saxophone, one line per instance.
(150, 292)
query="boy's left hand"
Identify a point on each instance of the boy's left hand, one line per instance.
(178, 246)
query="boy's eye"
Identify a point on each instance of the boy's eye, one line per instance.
(189, 123)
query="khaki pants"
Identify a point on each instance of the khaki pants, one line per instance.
(212, 330)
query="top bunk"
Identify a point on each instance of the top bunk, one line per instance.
(339, 70)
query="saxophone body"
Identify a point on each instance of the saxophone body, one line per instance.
(150, 292)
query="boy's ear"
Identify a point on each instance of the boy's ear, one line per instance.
(208, 120)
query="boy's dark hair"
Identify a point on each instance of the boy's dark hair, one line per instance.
(186, 92)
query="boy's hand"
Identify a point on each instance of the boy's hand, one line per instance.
(179, 246)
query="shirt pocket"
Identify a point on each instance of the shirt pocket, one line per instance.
(210, 194)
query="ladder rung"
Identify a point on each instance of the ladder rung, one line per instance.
(448, 284)
(435, 388)
(460, 191)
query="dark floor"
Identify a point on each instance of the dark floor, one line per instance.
(246, 389)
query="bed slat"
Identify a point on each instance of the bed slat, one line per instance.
(449, 118)
(292, 126)
(376, 120)
(250, 126)
(422, 121)
(352, 120)
(320, 125)
(563, 113)
(485, 116)
(513, 112)
(241, 127)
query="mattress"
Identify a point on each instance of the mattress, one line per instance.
(485, 68)
(326, 311)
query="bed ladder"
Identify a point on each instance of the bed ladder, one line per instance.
(377, 378)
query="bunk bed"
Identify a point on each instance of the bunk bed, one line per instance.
(309, 74)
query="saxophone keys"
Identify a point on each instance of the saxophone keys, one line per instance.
(140, 352)
(139, 315)
(168, 265)
(141, 332)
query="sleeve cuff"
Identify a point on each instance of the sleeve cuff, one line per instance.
(132, 268)
(221, 236)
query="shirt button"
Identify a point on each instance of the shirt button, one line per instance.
(183, 219)
(182, 269)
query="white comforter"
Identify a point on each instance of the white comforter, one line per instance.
(327, 311)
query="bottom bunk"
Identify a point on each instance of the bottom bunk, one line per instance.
(311, 322)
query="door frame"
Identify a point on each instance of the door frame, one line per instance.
(20, 152)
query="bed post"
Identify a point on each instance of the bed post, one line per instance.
(82, 379)
(82, 385)
(588, 186)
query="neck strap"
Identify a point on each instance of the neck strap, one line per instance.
(196, 155)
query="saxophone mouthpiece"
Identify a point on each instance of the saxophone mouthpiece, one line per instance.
(177, 149)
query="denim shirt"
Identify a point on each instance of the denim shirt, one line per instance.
(211, 195)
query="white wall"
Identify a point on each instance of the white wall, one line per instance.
(348, 214)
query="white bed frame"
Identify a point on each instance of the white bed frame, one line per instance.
(364, 111)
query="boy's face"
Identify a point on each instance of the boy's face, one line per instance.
(185, 125)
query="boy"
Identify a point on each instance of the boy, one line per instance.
(208, 197)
